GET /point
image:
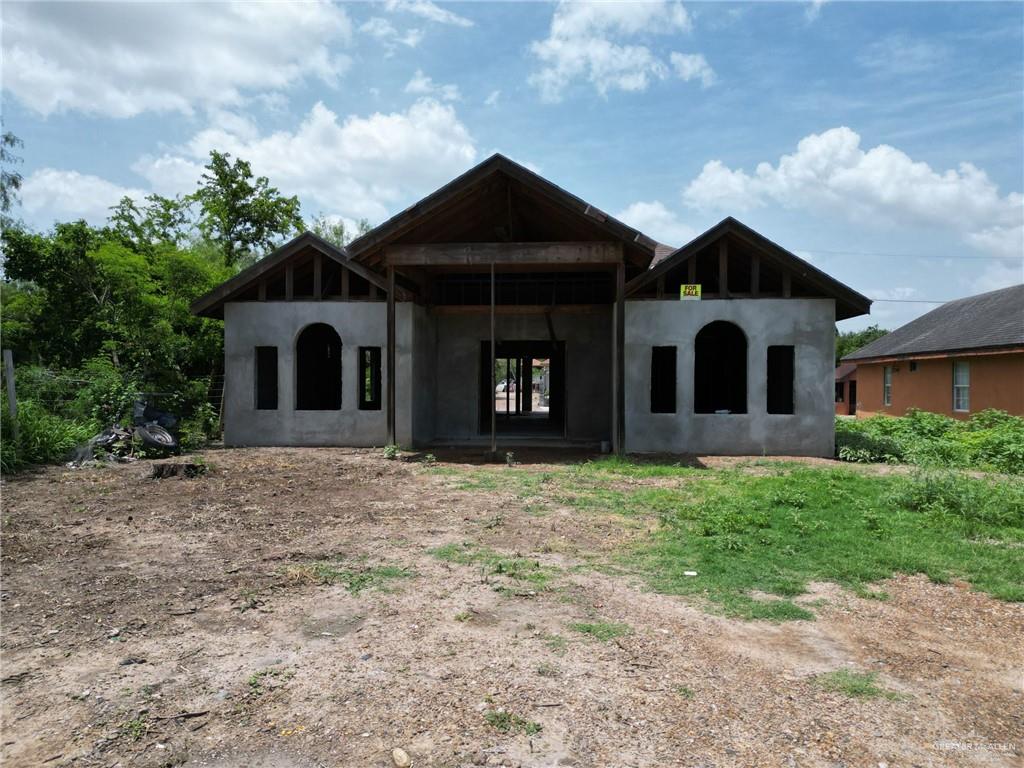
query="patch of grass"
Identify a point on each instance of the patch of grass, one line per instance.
(506, 722)
(685, 691)
(355, 580)
(861, 685)
(463, 616)
(746, 533)
(556, 643)
(258, 681)
(601, 630)
(520, 569)
(544, 669)
(135, 728)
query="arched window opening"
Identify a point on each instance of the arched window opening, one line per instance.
(720, 369)
(318, 369)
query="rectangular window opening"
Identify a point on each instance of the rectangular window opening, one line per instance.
(840, 395)
(266, 378)
(369, 378)
(663, 379)
(961, 386)
(780, 379)
(887, 385)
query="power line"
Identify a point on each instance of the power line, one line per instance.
(908, 255)
(913, 301)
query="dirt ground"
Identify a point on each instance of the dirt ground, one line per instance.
(154, 623)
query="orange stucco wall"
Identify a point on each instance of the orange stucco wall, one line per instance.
(997, 381)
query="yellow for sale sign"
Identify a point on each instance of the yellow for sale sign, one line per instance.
(689, 292)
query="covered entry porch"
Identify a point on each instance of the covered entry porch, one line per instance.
(514, 343)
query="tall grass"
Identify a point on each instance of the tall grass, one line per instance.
(989, 440)
(43, 437)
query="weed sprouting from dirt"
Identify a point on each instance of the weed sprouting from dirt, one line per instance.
(602, 630)
(684, 691)
(519, 569)
(861, 685)
(506, 722)
(354, 579)
(136, 728)
(262, 679)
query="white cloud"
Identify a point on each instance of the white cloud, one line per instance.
(583, 44)
(429, 11)
(354, 167)
(693, 66)
(122, 59)
(813, 10)
(49, 194)
(878, 186)
(384, 31)
(492, 98)
(657, 221)
(421, 85)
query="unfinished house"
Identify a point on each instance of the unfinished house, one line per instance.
(501, 310)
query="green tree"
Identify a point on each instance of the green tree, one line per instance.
(242, 214)
(335, 232)
(851, 341)
(10, 179)
(159, 220)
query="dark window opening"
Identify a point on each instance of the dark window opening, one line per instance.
(720, 369)
(318, 369)
(527, 394)
(780, 379)
(913, 366)
(369, 378)
(663, 379)
(266, 378)
(839, 392)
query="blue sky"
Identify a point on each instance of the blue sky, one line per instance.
(882, 141)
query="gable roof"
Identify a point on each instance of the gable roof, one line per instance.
(211, 304)
(843, 371)
(367, 249)
(987, 321)
(849, 303)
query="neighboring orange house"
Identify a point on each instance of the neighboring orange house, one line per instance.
(964, 357)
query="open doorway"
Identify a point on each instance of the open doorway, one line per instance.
(528, 393)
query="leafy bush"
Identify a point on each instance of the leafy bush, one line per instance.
(945, 495)
(43, 438)
(991, 439)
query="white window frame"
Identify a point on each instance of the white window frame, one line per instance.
(962, 389)
(887, 385)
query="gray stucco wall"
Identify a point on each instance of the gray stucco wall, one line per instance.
(807, 324)
(278, 323)
(587, 340)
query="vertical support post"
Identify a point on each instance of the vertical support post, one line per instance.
(787, 285)
(262, 294)
(755, 275)
(691, 270)
(391, 355)
(490, 396)
(318, 276)
(344, 284)
(619, 362)
(289, 282)
(12, 399)
(723, 268)
(661, 287)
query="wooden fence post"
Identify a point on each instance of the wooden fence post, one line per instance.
(12, 401)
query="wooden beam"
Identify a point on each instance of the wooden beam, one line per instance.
(787, 286)
(318, 276)
(619, 363)
(691, 270)
(504, 253)
(755, 275)
(289, 282)
(344, 284)
(661, 287)
(391, 356)
(262, 290)
(723, 267)
(490, 394)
